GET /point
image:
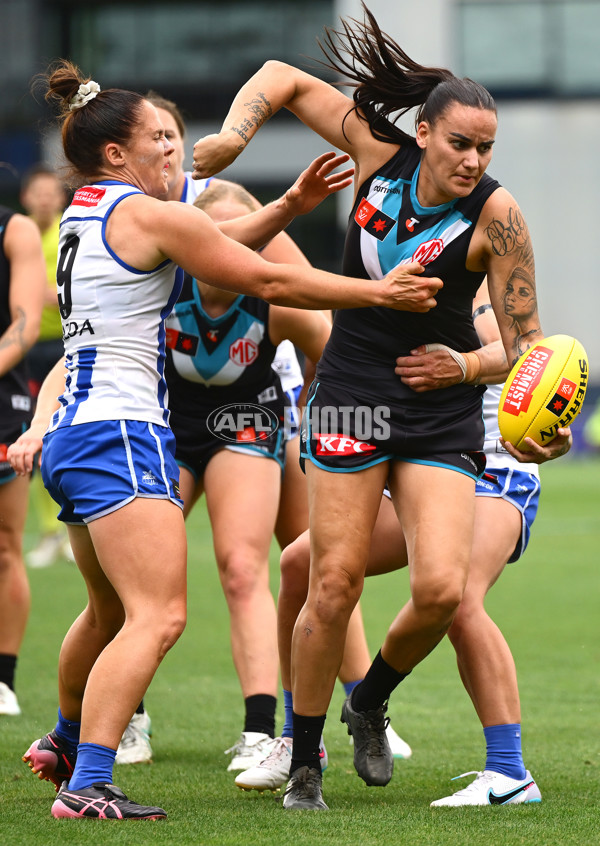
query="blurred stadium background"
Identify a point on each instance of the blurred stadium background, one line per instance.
(540, 59)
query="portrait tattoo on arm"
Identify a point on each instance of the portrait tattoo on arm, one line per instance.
(519, 296)
(260, 111)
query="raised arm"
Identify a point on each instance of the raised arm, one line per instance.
(314, 185)
(320, 106)
(23, 249)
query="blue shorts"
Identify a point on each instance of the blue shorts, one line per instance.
(519, 488)
(292, 413)
(93, 469)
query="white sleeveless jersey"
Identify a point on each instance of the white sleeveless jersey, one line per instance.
(495, 454)
(193, 187)
(285, 363)
(112, 317)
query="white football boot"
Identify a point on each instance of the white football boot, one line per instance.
(135, 747)
(251, 748)
(399, 747)
(271, 773)
(9, 705)
(490, 788)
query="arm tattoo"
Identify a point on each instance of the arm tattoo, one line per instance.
(260, 111)
(506, 237)
(14, 334)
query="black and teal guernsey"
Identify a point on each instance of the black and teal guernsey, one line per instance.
(15, 399)
(212, 361)
(388, 227)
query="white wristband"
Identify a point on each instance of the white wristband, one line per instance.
(458, 357)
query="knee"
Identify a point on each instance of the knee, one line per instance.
(294, 567)
(172, 626)
(335, 595)
(242, 575)
(437, 602)
(10, 554)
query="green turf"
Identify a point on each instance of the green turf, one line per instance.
(548, 607)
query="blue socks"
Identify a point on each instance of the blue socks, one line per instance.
(349, 686)
(503, 747)
(68, 731)
(288, 707)
(94, 763)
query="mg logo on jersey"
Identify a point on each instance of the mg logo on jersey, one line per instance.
(341, 445)
(428, 252)
(243, 352)
(242, 422)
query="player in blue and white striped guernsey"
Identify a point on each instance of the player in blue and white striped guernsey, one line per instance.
(108, 455)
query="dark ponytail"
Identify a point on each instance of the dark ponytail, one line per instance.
(388, 83)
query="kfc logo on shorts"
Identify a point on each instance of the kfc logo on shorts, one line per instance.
(428, 252)
(88, 196)
(243, 352)
(341, 445)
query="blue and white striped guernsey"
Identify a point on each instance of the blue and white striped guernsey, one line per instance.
(113, 318)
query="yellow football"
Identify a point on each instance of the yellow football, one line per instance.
(544, 390)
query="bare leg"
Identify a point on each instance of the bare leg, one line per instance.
(14, 585)
(243, 516)
(439, 546)
(292, 517)
(125, 576)
(484, 659)
(343, 512)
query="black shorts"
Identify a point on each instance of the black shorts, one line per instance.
(196, 443)
(342, 434)
(9, 432)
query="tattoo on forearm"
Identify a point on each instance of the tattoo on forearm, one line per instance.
(14, 335)
(261, 111)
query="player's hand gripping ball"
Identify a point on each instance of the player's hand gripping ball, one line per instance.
(544, 391)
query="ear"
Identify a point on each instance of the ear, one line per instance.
(114, 155)
(422, 136)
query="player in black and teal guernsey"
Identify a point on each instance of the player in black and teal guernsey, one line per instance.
(214, 362)
(424, 205)
(22, 285)
(388, 226)
(229, 413)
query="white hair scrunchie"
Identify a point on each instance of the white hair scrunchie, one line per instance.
(86, 92)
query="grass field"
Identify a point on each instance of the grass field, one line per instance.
(547, 605)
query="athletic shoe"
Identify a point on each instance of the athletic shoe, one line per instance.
(399, 747)
(251, 748)
(47, 552)
(50, 758)
(273, 772)
(490, 788)
(102, 802)
(373, 759)
(134, 747)
(304, 791)
(9, 705)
